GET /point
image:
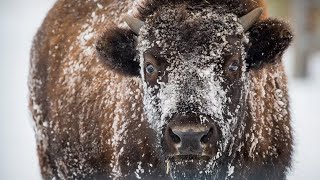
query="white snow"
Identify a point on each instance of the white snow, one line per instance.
(305, 98)
(19, 21)
(230, 171)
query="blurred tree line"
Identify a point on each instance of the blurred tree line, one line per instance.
(304, 15)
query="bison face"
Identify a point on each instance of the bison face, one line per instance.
(195, 81)
(194, 65)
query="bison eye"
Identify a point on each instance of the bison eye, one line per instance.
(234, 66)
(150, 69)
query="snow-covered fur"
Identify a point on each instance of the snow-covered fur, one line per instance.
(100, 114)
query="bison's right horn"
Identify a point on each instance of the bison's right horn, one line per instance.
(249, 19)
(135, 24)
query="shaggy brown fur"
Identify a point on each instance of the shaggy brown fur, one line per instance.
(88, 113)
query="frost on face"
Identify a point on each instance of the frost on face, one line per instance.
(193, 47)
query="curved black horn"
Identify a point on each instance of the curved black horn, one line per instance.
(135, 24)
(249, 19)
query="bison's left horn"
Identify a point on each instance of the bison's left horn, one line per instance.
(135, 24)
(249, 19)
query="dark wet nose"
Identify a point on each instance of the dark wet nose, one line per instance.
(190, 139)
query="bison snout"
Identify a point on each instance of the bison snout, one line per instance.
(198, 139)
(189, 142)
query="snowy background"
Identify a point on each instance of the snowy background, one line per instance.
(19, 20)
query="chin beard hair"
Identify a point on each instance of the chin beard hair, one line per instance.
(190, 169)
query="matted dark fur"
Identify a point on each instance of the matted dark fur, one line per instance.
(269, 39)
(117, 45)
(239, 7)
(86, 94)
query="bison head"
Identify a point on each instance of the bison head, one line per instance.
(194, 64)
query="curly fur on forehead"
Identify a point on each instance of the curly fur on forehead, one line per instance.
(239, 7)
(196, 31)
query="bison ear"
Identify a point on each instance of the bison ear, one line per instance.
(116, 48)
(268, 41)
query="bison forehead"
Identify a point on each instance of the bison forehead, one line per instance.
(202, 32)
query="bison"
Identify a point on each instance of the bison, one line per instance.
(161, 89)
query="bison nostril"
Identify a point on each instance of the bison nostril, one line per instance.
(175, 138)
(205, 138)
